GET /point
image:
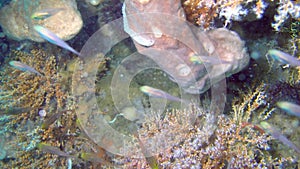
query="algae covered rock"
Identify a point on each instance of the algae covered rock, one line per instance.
(15, 19)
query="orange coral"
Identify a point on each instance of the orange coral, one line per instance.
(204, 12)
(199, 12)
(29, 90)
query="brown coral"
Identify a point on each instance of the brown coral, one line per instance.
(29, 90)
(201, 13)
(24, 129)
(204, 12)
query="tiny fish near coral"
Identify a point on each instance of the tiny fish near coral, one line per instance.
(196, 59)
(277, 135)
(52, 38)
(290, 108)
(53, 150)
(150, 91)
(283, 57)
(14, 110)
(23, 67)
(45, 13)
(52, 119)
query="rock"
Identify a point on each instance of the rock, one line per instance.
(17, 24)
(159, 31)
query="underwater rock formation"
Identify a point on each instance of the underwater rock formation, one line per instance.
(160, 31)
(16, 21)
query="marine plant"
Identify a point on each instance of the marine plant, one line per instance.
(38, 117)
(28, 90)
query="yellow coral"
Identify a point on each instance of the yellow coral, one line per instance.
(29, 90)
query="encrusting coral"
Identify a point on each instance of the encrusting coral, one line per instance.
(27, 90)
(204, 12)
(212, 142)
(28, 93)
(38, 121)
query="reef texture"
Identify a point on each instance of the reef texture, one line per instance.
(17, 24)
(204, 12)
(173, 49)
(31, 92)
(231, 143)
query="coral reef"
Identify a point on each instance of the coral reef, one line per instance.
(23, 94)
(234, 140)
(40, 129)
(199, 12)
(285, 10)
(17, 24)
(30, 90)
(49, 139)
(226, 144)
(204, 13)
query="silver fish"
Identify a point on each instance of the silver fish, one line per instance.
(196, 59)
(52, 38)
(277, 135)
(45, 13)
(52, 150)
(150, 91)
(290, 108)
(23, 67)
(283, 57)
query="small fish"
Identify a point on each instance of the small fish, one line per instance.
(45, 13)
(206, 59)
(53, 150)
(52, 38)
(52, 119)
(14, 110)
(283, 57)
(277, 135)
(23, 67)
(150, 91)
(93, 157)
(98, 157)
(290, 108)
